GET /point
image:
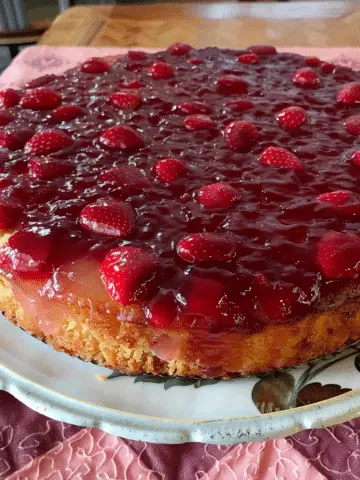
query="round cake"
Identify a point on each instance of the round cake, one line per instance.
(186, 212)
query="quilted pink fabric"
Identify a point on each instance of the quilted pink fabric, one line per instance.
(33, 446)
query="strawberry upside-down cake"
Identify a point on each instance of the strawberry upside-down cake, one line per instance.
(186, 212)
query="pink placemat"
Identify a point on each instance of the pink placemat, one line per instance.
(33, 446)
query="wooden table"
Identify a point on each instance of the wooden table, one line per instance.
(319, 24)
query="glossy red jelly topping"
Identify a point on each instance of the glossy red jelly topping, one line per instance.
(216, 189)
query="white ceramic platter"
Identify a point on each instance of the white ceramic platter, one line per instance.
(70, 390)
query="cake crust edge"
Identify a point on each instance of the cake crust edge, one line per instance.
(129, 347)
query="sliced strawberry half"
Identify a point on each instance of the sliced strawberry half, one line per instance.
(230, 84)
(130, 178)
(9, 98)
(169, 169)
(108, 217)
(128, 273)
(161, 71)
(217, 195)
(292, 118)
(198, 122)
(203, 297)
(67, 113)
(248, 58)
(40, 99)
(95, 65)
(338, 255)
(121, 137)
(26, 253)
(178, 49)
(345, 202)
(280, 158)
(240, 136)
(191, 108)
(47, 168)
(15, 138)
(352, 125)
(126, 98)
(162, 310)
(262, 49)
(206, 247)
(306, 77)
(47, 141)
(349, 93)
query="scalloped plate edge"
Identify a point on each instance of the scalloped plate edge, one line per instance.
(225, 431)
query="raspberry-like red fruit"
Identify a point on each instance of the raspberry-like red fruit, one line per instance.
(338, 255)
(240, 105)
(240, 136)
(10, 212)
(108, 217)
(127, 274)
(248, 58)
(169, 169)
(47, 141)
(205, 247)
(306, 77)
(126, 98)
(349, 93)
(178, 49)
(262, 49)
(292, 118)
(47, 168)
(198, 122)
(217, 195)
(9, 98)
(40, 99)
(95, 65)
(121, 137)
(230, 84)
(352, 125)
(161, 70)
(67, 113)
(14, 139)
(26, 253)
(190, 108)
(280, 158)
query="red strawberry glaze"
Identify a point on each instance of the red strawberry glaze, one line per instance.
(270, 223)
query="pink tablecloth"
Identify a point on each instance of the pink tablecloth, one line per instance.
(33, 446)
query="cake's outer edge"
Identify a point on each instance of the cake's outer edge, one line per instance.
(126, 347)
